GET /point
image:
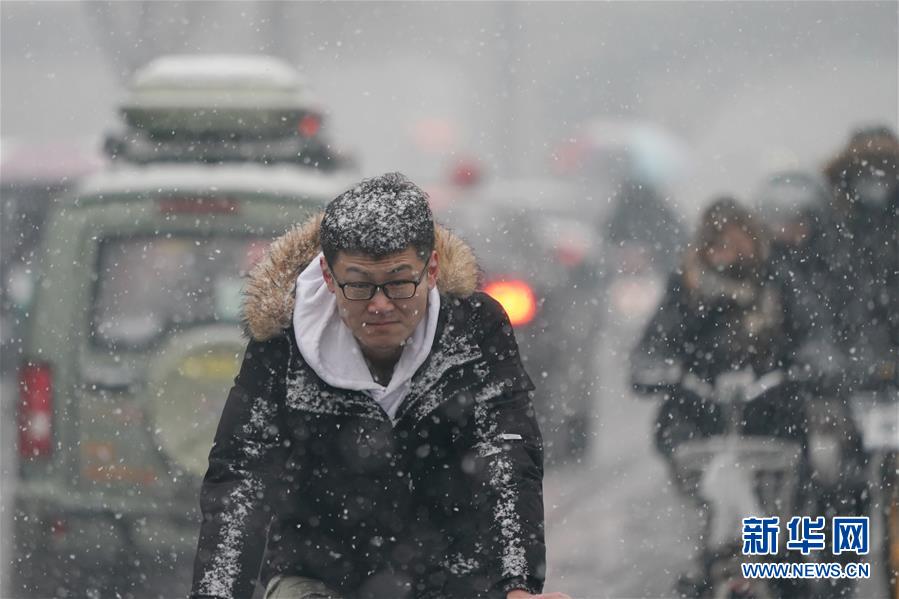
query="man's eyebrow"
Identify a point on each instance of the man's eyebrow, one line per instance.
(401, 267)
(363, 272)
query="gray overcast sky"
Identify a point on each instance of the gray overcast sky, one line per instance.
(747, 85)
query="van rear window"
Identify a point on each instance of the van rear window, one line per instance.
(148, 286)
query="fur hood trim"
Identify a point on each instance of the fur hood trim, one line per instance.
(269, 294)
(881, 152)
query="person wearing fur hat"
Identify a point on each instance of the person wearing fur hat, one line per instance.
(380, 439)
(861, 284)
(864, 246)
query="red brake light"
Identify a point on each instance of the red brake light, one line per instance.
(517, 299)
(571, 254)
(35, 411)
(467, 173)
(309, 126)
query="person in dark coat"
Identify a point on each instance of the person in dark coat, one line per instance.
(644, 225)
(864, 248)
(722, 311)
(380, 439)
(793, 205)
(797, 208)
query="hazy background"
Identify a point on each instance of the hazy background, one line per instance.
(744, 87)
(747, 86)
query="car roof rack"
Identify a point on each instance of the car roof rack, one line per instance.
(141, 148)
(221, 108)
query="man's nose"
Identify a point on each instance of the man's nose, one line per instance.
(380, 303)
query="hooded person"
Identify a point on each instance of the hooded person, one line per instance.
(864, 176)
(643, 220)
(719, 313)
(793, 207)
(725, 310)
(722, 312)
(792, 203)
(379, 440)
(864, 253)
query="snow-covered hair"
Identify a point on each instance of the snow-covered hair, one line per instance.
(378, 217)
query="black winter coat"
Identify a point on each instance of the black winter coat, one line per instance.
(445, 502)
(862, 283)
(707, 339)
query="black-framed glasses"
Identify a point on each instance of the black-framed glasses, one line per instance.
(395, 290)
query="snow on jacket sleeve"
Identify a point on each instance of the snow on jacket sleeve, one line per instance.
(247, 453)
(508, 440)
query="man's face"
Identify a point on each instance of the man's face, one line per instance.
(381, 325)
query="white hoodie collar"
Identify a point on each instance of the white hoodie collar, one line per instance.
(329, 348)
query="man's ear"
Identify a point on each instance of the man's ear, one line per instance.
(433, 269)
(326, 275)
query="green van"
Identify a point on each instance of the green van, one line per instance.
(133, 337)
(132, 345)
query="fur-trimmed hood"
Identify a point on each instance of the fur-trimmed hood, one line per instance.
(880, 151)
(269, 298)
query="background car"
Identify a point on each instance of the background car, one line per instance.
(32, 176)
(132, 345)
(128, 360)
(540, 255)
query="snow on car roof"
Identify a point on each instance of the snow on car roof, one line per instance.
(217, 70)
(221, 80)
(282, 180)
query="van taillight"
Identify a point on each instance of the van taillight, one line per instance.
(516, 297)
(309, 126)
(35, 411)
